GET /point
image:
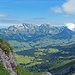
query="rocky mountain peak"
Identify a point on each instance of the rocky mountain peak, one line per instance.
(27, 32)
(16, 27)
(27, 25)
(22, 26)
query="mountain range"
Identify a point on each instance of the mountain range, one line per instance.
(42, 48)
(29, 32)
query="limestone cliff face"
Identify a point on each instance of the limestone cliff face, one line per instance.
(8, 62)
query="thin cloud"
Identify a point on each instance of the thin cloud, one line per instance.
(67, 7)
(57, 9)
(3, 15)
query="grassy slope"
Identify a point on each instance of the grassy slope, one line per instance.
(20, 71)
(23, 71)
(3, 71)
(23, 59)
(27, 60)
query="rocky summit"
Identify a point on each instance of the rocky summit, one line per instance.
(28, 32)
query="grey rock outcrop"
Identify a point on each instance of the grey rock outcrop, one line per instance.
(8, 62)
(48, 73)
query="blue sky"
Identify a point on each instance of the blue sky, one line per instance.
(54, 12)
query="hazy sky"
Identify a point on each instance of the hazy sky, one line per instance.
(54, 12)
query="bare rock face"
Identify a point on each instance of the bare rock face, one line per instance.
(48, 73)
(8, 62)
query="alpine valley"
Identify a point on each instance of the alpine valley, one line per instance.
(42, 48)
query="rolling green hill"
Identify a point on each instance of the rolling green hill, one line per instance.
(54, 60)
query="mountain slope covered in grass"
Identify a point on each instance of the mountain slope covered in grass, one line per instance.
(3, 71)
